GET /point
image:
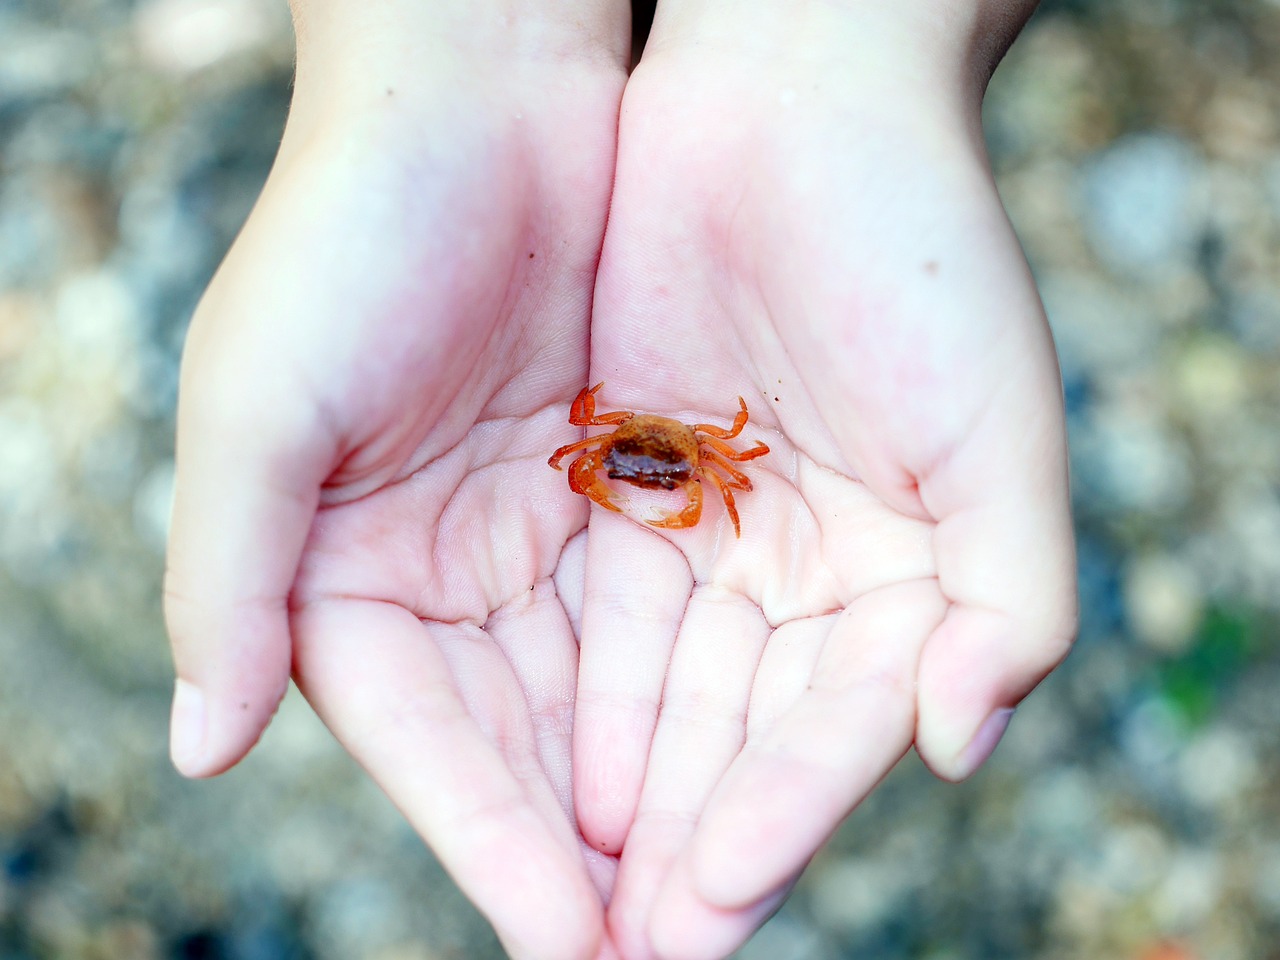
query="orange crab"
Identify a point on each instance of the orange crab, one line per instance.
(652, 451)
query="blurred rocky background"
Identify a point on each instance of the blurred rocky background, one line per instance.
(1133, 811)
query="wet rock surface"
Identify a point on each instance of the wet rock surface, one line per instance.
(1133, 810)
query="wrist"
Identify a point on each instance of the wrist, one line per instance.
(957, 43)
(351, 54)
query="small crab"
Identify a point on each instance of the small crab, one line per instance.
(652, 451)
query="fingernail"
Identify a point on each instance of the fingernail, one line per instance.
(984, 742)
(187, 727)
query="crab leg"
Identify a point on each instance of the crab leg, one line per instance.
(739, 422)
(725, 492)
(726, 451)
(583, 480)
(738, 479)
(569, 448)
(686, 517)
(583, 411)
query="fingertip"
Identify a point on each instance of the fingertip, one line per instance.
(631, 612)
(578, 935)
(606, 786)
(984, 742)
(234, 547)
(974, 671)
(188, 726)
(209, 734)
(684, 926)
(770, 814)
(961, 762)
(233, 665)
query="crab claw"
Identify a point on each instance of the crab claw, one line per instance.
(583, 479)
(678, 520)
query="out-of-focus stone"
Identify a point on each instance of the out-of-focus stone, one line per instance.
(110, 460)
(359, 914)
(1265, 888)
(28, 462)
(785, 938)
(1255, 313)
(1191, 889)
(1164, 599)
(302, 855)
(1217, 767)
(1100, 328)
(852, 894)
(153, 505)
(1181, 299)
(1167, 950)
(1239, 122)
(1213, 377)
(1060, 805)
(405, 951)
(38, 60)
(1041, 200)
(19, 318)
(1133, 858)
(97, 325)
(1141, 209)
(1131, 460)
(183, 36)
(125, 940)
(1153, 734)
(297, 739)
(1248, 544)
(1049, 96)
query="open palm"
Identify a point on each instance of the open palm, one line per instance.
(905, 566)
(370, 389)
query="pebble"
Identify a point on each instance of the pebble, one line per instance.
(1100, 329)
(1190, 889)
(1217, 767)
(41, 61)
(1141, 206)
(855, 894)
(1133, 858)
(185, 36)
(153, 506)
(1265, 875)
(1132, 460)
(1152, 735)
(785, 937)
(1164, 598)
(1214, 378)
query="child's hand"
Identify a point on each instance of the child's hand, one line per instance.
(370, 389)
(804, 215)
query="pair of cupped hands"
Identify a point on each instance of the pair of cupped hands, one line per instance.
(623, 742)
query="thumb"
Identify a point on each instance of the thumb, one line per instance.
(249, 465)
(1006, 561)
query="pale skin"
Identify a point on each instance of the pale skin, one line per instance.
(802, 205)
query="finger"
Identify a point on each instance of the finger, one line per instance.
(534, 634)
(653, 843)
(637, 585)
(786, 668)
(685, 927)
(436, 716)
(249, 466)
(793, 784)
(533, 637)
(700, 730)
(1006, 561)
(569, 575)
